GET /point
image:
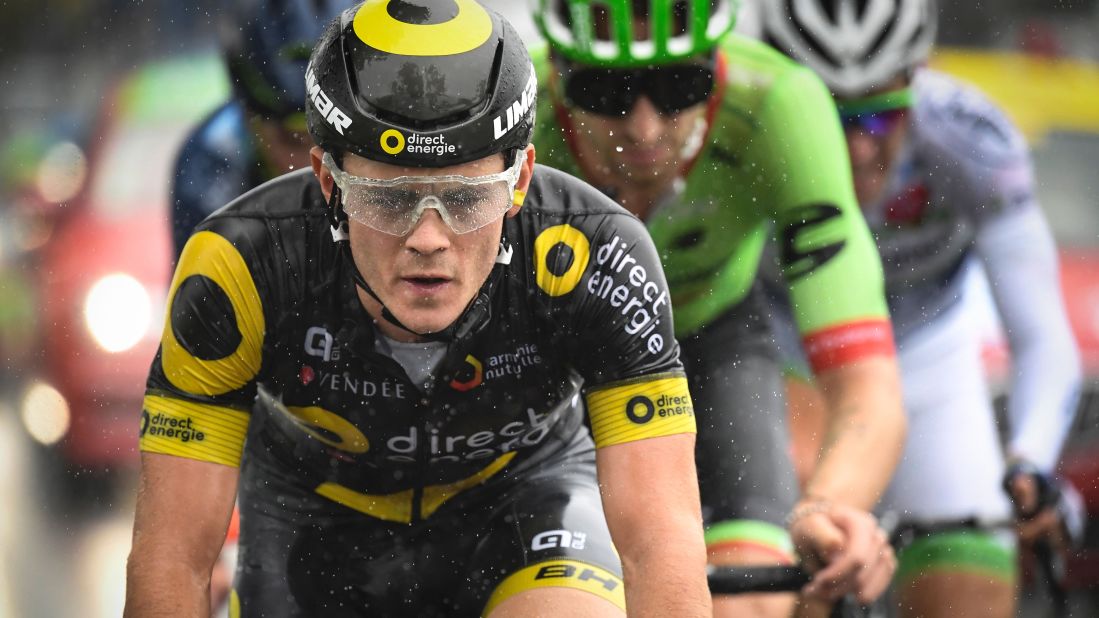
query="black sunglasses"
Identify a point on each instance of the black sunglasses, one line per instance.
(614, 92)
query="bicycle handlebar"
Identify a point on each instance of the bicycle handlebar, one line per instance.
(788, 578)
(743, 580)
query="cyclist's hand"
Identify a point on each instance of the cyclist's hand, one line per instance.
(847, 550)
(1047, 509)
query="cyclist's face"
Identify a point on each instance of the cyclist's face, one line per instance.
(643, 147)
(874, 151)
(283, 147)
(427, 277)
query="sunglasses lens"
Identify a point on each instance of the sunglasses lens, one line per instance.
(614, 92)
(878, 124)
(602, 91)
(676, 88)
(879, 114)
(394, 206)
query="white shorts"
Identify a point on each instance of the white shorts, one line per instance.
(953, 463)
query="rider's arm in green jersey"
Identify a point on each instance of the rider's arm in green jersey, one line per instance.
(834, 277)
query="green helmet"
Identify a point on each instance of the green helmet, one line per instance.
(603, 32)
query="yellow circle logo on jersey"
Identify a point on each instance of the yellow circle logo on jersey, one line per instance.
(551, 283)
(392, 141)
(466, 31)
(212, 256)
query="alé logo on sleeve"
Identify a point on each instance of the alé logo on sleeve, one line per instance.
(551, 539)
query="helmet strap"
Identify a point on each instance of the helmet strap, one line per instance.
(337, 221)
(471, 321)
(337, 218)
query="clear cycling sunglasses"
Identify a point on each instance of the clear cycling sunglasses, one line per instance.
(394, 206)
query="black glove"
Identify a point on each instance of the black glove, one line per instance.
(1052, 492)
(1049, 491)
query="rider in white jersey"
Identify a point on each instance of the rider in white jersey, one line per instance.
(946, 182)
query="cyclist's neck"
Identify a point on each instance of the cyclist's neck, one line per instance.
(640, 198)
(641, 202)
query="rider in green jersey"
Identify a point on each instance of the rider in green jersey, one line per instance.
(715, 140)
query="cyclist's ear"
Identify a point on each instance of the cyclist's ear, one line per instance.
(525, 176)
(321, 172)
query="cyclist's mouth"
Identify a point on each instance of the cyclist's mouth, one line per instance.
(635, 155)
(426, 284)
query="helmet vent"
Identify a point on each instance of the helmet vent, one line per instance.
(879, 42)
(412, 12)
(623, 33)
(854, 45)
(601, 22)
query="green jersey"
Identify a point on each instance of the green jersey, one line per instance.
(773, 157)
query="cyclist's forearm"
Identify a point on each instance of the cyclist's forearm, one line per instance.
(667, 578)
(650, 498)
(865, 433)
(1020, 260)
(183, 510)
(165, 588)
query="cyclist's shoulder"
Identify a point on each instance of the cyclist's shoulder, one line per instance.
(286, 209)
(276, 236)
(215, 163)
(959, 123)
(753, 54)
(767, 94)
(557, 195)
(222, 137)
(755, 71)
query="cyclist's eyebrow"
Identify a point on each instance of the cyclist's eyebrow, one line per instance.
(390, 194)
(465, 198)
(462, 190)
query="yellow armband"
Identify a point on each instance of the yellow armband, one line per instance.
(193, 430)
(639, 409)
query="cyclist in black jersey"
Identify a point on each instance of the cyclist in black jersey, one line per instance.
(396, 353)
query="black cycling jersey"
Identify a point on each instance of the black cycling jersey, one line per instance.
(263, 311)
(546, 528)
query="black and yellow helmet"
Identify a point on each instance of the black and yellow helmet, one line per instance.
(420, 83)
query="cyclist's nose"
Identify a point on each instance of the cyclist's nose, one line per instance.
(863, 147)
(430, 234)
(644, 124)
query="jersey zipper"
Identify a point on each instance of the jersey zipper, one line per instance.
(423, 454)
